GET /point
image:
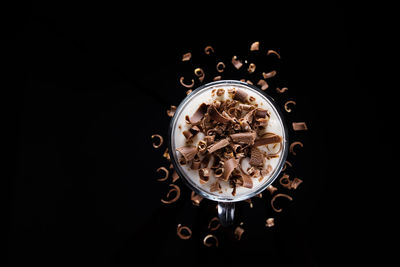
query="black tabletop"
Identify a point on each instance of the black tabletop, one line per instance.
(92, 83)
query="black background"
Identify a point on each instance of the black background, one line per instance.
(91, 83)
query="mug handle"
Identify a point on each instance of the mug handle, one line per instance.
(226, 213)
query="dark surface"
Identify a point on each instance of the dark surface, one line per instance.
(91, 84)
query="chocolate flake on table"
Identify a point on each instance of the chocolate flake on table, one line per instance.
(217, 78)
(292, 145)
(214, 224)
(166, 174)
(208, 50)
(207, 240)
(255, 46)
(171, 111)
(273, 52)
(238, 232)
(189, 91)
(199, 73)
(181, 80)
(269, 222)
(180, 232)
(166, 154)
(251, 68)
(280, 91)
(236, 63)
(220, 66)
(275, 197)
(269, 74)
(263, 83)
(287, 163)
(287, 103)
(161, 140)
(285, 181)
(177, 191)
(299, 126)
(272, 189)
(196, 199)
(295, 183)
(175, 176)
(187, 56)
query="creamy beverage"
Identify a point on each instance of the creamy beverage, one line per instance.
(228, 140)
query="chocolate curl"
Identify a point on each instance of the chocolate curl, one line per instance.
(269, 74)
(287, 107)
(196, 199)
(292, 145)
(204, 175)
(216, 223)
(285, 181)
(273, 52)
(216, 116)
(215, 187)
(268, 138)
(198, 114)
(188, 152)
(175, 176)
(218, 145)
(207, 243)
(208, 50)
(161, 140)
(220, 66)
(229, 166)
(166, 174)
(238, 232)
(186, 85)
(240, 95)
(175, 189)
(180, 229)
(280, 91)
(244, 138)
(275, 197)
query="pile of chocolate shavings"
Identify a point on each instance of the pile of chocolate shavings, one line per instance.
(233, 129)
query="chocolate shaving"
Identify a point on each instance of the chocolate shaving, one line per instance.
(188, 91)
(196, 162)
(166, 174)
(272, 189)
(264, 85)
(244, 138)
(285, 181)
(171, 111)
(161, 140)
(269, 222)
(175, 176)
(275, 197)
(218, 145)
(299, 126)
(287, 103)
(268, 138)
(229, 166)
(269, 52)
(238, 232)
(257, 157)
(198, 114)
(217, 78)
(199, 73)
(207, 243)
(292, 145)
(180, 229)
(216, 116)
(236, 63)
(255, 46)
(187, 56)
(186, 85)
(286, 164)
(214, 221)
(188, 152)
(215, 187)
(240, 95)
(295, 183)
(187, 134)
(220, 66)
(204, 175)
(280, 91)
(208, 50)
(175, 189)
(196, 199)
(269, 74)
(251, 68)
(166, 154)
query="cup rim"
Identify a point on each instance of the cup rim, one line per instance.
(191, 184)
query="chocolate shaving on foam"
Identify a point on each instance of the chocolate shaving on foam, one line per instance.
(218, 145)
(215, 115)
(198, 114)
(180, 232)
(244, 138)
(292, 145)
(166, 174)
(268, 138)
(229, 166)
(204, 175)
(160, 142)
(257, 157)
(216, 186)
(240, 95)
(181, 80)
(275, 197)
(188, 152)
(177, 191)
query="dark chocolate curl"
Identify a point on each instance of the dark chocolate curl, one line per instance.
(188, 152)
(240, 95)
(244, 138)
(199, 114)
(229, 166)
(218, 145)
(270, 139)
(216, 116)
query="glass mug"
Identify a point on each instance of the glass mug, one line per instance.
(226, 203)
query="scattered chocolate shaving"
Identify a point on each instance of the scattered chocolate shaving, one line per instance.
(220, 66)
(175, 176)
(229, 166)
(166, 174)
(251, 68)
(175, 189)
(196, 199)
(269, 222)
(292, 145)
(275, 197)
(188, 91)
(219, 172)
(240, 95)
(218, 145)
(236, 63)
(180, 229)
(287, 103)
(199, 73)
(269, 52)
(263, 83)
(186, 85)
(161, 140)
(269, 74)
(171, 111)
(166, 154)
(207, 243)
(187, 56)
(295, 183)
(208, 50)
(188, 152)
(255, 46)
(250, 203)
(238, 232)
(285, 181)
(198, 114)
(204, 175)
(286, 163)
(214, 224)
(217, 78)
(299, 126)
(280, 91)
(272, 189)
(268, 138)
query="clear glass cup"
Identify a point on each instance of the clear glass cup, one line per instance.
(226, 204)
